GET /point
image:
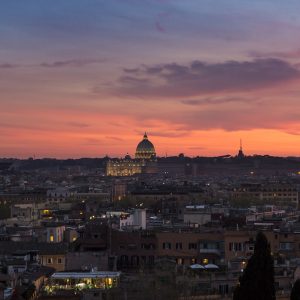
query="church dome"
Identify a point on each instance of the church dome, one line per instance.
(145, 149)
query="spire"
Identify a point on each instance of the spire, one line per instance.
(145, 136)
(241, 153)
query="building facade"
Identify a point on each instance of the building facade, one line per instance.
(144, 161)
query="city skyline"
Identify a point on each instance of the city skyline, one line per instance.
(132, 154)
(87, 79)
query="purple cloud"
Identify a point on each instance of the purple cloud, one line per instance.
(213, 101)
(71, 63)
(78, 124)
(8, 66)
(276, 54)
(176, 80)
(159, 27)
(160, 18)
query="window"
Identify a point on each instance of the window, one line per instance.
(286, 246)
(152, 246)
(167, 245)
(223, 289)
(212, 245)
(151, 260)
(238, 246)
(143, 246)
(192, 246)
(50, 260)
(147, 246)
(178, 246)
(59, 261)
(51, 238)
(179, 261)
(235, 246)
(132, 246)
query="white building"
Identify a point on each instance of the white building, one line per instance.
(136, 219)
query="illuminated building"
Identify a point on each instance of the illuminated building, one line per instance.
(54, 232)
(124, 167)
(78, 281)
(144, 162)
(145, 149)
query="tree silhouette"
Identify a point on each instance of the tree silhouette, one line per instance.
(295, 295)
(257, 281)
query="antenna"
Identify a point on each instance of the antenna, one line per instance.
(241, 145)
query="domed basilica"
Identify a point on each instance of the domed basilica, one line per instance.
(144, 161)
(145, 149)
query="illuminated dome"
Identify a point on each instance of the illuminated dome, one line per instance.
(145, 149)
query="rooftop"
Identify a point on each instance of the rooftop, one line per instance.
(97, 274)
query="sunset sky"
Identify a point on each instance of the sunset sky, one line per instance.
(86, 78)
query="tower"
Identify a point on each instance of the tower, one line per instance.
(241, 153)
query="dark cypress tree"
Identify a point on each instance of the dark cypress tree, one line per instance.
(295, 295)
(257, 281)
